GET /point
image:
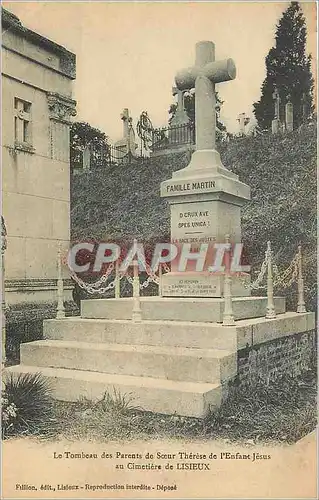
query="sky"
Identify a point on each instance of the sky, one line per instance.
(129, 52)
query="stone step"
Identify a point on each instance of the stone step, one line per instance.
(160, 333)
(180, 334)
(179, 309)
(171, 363)
(150, 394)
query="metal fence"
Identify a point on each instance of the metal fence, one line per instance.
(173, 136)
(156, 140)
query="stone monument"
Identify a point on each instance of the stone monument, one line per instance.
(205, 197)
(179, 131)
(86, 157)
(127, 144)
(275, 125)
(289, 115)
(180, 116)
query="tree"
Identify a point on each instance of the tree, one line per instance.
(82, 136)
(288, 69)
(189, 104)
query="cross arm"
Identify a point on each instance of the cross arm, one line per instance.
(217, 72)
(220, 71)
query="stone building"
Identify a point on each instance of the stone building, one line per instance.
(37, 76)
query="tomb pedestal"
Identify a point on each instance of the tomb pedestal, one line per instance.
(205, 201)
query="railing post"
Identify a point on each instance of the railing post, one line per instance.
(137, 313)
(117, 287)
(301, 308)
(60, 312)
(270, 313)
(160, 272)
(228, 316)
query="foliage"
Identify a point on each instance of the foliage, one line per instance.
(288, 69)
(116, 402)
(8, 413)
(281, 171)
(26, 405)
(82, 136)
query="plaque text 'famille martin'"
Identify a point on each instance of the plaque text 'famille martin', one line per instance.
(189, 186)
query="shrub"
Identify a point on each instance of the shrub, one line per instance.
(26, 405)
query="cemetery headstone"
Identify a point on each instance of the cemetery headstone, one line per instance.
(180, 116)
(127, 144)
(205, 197)
(87, 157)
(275, 126)
(179, 132)
(289, 115)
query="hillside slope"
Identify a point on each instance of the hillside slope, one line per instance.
(123, 202)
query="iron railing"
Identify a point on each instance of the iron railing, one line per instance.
(173, 136)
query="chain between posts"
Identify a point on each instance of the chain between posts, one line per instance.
(284, 280)
(115, 284)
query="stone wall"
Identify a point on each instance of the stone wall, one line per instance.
(265, 362)
(24, 323)
(36, 114)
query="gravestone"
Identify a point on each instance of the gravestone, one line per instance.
(127, 144)
(86, 157)
(205, 197)
(179, 131)
(275, 125)
(180, 116)
(289, 116)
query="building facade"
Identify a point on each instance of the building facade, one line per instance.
(37, 108)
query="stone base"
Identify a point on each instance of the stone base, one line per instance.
(188, 284)
(156, 395)
(177, 309)
(169, 366)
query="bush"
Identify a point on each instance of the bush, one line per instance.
(26, 405)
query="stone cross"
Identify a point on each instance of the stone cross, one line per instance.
(276, 98)
(203, 76)
(125, 117)
(180, 97)
(127, 143)
(180, 116)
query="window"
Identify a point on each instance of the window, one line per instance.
(22, 122)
